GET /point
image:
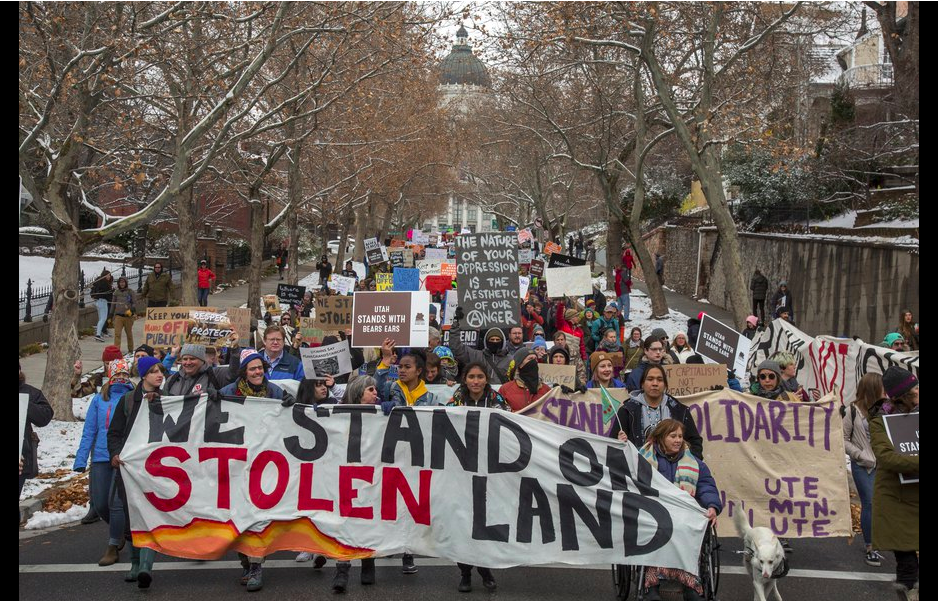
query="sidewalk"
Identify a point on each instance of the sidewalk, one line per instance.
(688, 306)
(90, 349)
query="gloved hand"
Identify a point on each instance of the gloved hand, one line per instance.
(581, 387)
(386, 406)
(288, 401)
(458, 314)
(566, 389)
(716, 387)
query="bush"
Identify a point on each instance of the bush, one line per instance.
(86, 332)
(30, 349)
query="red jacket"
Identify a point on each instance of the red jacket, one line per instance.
(628, 260)
(205, 274)
(528, 324)
(565, 326)
(519, 397)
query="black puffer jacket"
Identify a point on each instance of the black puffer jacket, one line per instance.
(759, 285)
(38, 413)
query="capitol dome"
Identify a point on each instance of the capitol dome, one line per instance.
(461, 67)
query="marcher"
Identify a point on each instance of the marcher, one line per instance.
(281, 365)
(93, 446)
(123, 313)
(632, 349)
(782, 298)
(568, 321)
(759, 285)
(206, 277)
(606, 321)
(515, 339)
(196, 375)
(668, 452)
(644, 410)
(591, 255)
(39, 414)
(282, 255)
(896, 505)
(603, 372)
(628, 261)
(530, 318)
(909, 330)
(573, 357)
(693, 329)
(449, 368)
(789, 365)
(409, 389)
(349, 271)
(623, 285)
(578, 245)
(494, 355)
(769, 383)
(862, 461)
(525, 386)
(101, 294)
(325, 271)
(654, 354)
(157, 289)
(751, 322)
(896, 342)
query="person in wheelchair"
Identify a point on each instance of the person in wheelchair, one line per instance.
(667, 451)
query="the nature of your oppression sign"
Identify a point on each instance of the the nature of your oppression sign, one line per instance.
(401, 316)
(473, 485)
(487, 280)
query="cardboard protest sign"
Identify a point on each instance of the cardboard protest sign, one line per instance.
(290, 295)
(573, 342)
(552, 247)
(487, 280)
(559, 260)
(781, 463)
(537, 268)
(270, 304)
(524, 236)
(375, 252)
(436, 254)
(427, 268)
(260, 493)
(438, 284)
(722, 344)
(384, 282)
(211, 328)
(331, 360)
(557, 375)
(408, 255)
(401, 316)
(334, 313)
(525, 256)
(166, 327)
(406, 279)
(568, 281)
(397, 243)
(686, 379)
(448, 269)
(341, 284)
(421, 238)
(902, 430)
(311, 332)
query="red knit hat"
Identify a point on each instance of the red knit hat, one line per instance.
(111, 353)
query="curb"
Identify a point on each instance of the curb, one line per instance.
(29, 507)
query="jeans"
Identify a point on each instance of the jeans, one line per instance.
(625, 305)
(106, 501)
(203, 297)
(864, 484)
(101, 304)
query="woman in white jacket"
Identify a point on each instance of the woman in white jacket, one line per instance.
(680, 349)
(862, 461)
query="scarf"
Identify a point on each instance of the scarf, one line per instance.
(411, 396)
(767, 394)
(610, 347)
(245, 388)
(634, 343)
(652, 417)
(687, 472)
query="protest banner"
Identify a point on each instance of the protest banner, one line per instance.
(722, 344)
(469, 338)
(525, 256)
(487, 280)
(568, 281)
(781, 463)
(584, 411)
(448, 269)
(552, 247)
(375, 252)
(537, 268)
(406, 280)
(435, 254)
(539, 493)
(334, 313)
(311, 332)
(270, 304)
(342, 284)
(450, 302)
(290, 295)
(438, 284)
(524, 236)
(401, 316)
(686, 379)
(384, 282)
(902, 430)
(827, 363)
(557, 375)
(331, 360)
(559, 260)
(24, 410)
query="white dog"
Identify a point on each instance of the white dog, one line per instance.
(763, 553)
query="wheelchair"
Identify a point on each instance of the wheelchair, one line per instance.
(627, 577)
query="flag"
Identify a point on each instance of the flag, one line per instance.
(610, 405)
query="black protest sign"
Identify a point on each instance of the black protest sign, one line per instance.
(902, 430)
(487, 280)
(717, 341)
(537, 268)
(290, 295)
(559, 260)
(373, 252)
(469, 338)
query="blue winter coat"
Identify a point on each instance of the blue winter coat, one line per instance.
(707, 493)
(288, 368)
(616, 383)
(97, 421)
(391, 395)
(273, 391)
(601, 324)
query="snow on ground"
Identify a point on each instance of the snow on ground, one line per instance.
(640, 312)
(43, 519)
(58, 442)
(39, 270)
(849, 218)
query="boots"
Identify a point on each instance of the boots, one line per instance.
(652, 594)
(465, 580)
(407, 564)
(488, 579)
(110, 556)
(245, 568)
(368, 571)
(144, 578)
(91, 517)
(134, 564)
(255, 577)
(340, 582)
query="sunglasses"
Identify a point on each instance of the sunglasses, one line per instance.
(766, 376)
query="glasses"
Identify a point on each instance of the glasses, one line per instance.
(766, 376)
(275, 340)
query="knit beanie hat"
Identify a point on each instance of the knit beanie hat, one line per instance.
(659, 333)
(559, 350)
(494, 332)
(700, 316)
(752, 320)
(118, 366)
(146, 348)
(248, 355)
(590, 303)
(539, 342)
(111, 353)
(571, 315)
(891, 338)
(145, 364)
(539, 331)
(518, 358)
(195, 350)
(771, 366)
(898, 381)
(596, 358)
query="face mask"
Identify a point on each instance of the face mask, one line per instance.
(493, 347)
(449, 372)
(528, 375)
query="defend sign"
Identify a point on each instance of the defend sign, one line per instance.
(255, 477)
(401, 316)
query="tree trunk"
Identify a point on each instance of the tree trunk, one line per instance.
(361, 217)
(293, 258)
(185, 209)
(63, 326)
(295, 184)
(613, 243)
(343, 240)
(257, 255)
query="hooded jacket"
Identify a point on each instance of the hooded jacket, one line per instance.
(157, 288)
(895, 505)
(629, 420)
(759, 285)
(208, 380)
(496, 363)
(94, 434)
